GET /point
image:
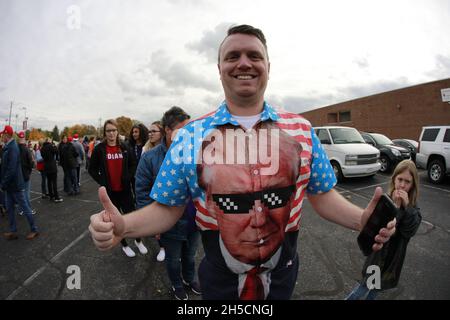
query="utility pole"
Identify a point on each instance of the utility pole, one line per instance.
(10, 109)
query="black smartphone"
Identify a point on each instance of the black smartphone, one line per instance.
(384, 211)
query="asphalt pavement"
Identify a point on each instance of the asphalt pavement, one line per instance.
(330, 260)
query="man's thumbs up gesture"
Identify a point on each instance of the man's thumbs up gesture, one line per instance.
(108, 226)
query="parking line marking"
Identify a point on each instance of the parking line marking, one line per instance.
(431, 187)
(374, 185)
(41, 269)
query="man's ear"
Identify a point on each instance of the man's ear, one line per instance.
(220, 74)
(268, 71)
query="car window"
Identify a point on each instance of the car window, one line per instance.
(430, 134)
(323, 136)
(400, 143)
(447, 135)
(346, 135)
(381, 139)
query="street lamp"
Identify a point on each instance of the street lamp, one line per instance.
(25, 122)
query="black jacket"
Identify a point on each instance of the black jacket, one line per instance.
(98, 168)
(391, 257)
(68, 156)
(49, 153)
(26, 160)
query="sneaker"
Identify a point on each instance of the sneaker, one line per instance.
(10, 236)
(58, 200)
(161, 255)
(32, 235)
(141, 247)
(128, 251)
(194, 286)
(180, 293)
(45, 196)
(33, 211)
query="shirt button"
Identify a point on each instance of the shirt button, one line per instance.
(255, 172)
(259, 209)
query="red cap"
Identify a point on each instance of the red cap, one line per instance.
(69, 139)
(75, 136)
(21, 135)
(8, 130)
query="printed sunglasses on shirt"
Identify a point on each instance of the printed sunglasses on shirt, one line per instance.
(242, 203)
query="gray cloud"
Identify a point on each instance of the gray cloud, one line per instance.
(361, 62)
(354, 92)
(298, 104)
(178, 75)
(442, 67)
(311, 101)
(132, 86)
(209, 43)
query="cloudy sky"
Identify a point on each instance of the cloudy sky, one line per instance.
(79, 61)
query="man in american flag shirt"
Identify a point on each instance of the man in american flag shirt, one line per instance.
(247, 166)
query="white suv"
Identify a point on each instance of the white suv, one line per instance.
(349, 154)
(434, 152)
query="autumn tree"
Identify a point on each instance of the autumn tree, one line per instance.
(124, 125)
(36, 134)
(55, 133)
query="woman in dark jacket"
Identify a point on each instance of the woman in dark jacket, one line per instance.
(403, 190)
(49, 153)
(112, 165)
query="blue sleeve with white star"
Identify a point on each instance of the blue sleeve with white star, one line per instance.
(171, 187)
(322, 177)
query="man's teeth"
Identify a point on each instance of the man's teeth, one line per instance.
(244, 77)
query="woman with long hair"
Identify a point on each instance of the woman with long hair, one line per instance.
(404, 191)
(112, 165)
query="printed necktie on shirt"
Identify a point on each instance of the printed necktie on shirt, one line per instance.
(253, 287)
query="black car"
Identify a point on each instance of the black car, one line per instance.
(390, 154)
(409, 144)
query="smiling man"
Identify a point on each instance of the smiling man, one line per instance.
(249, 216)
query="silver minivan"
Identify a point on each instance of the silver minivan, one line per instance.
(349, 154)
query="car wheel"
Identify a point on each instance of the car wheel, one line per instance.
(436, 171)
(385, 164)
(337, 171)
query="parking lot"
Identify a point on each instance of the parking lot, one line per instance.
(330, 261)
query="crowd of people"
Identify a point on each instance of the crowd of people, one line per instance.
(125, 166)
(183, 179)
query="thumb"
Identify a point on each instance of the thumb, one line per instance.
(371, 206)
(111, 213)
(107, 204)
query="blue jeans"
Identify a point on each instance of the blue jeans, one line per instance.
(67, 181)
(184, 250)
(73, 180)
(360, 292)
(27, 194)
(18, 197)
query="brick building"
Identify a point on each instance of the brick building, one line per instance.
(398, 114)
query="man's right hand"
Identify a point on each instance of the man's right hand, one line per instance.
(108, 226)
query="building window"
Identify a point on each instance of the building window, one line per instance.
(332, 118)
(345, 116)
